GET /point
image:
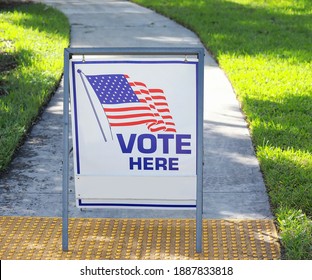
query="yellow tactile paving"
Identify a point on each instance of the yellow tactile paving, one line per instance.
(37, 238)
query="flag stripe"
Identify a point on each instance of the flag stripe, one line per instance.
(130, 123)
(129, 116)
(126, 109)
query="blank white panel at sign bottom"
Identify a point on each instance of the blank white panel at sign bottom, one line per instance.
(162, 191)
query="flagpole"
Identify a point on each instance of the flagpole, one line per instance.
(92, 105)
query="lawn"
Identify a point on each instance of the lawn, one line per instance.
(32, 42)
(265, 49)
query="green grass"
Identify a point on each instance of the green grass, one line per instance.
(32, 42)
(265, 49)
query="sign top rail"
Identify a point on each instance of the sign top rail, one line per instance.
(135, 51)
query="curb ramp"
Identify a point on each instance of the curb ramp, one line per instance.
(40, 238)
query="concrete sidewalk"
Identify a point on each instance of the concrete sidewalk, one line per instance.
(233, 184)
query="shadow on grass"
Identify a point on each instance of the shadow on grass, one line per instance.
(287, 124)
(227, 27)
(38, 16)
(8, 63)
(285, 130)
(288, 178)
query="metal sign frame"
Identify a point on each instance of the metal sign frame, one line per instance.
(199, 53)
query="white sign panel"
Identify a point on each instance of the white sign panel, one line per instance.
(134, 131)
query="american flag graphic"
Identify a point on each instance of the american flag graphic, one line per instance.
(129, 103)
